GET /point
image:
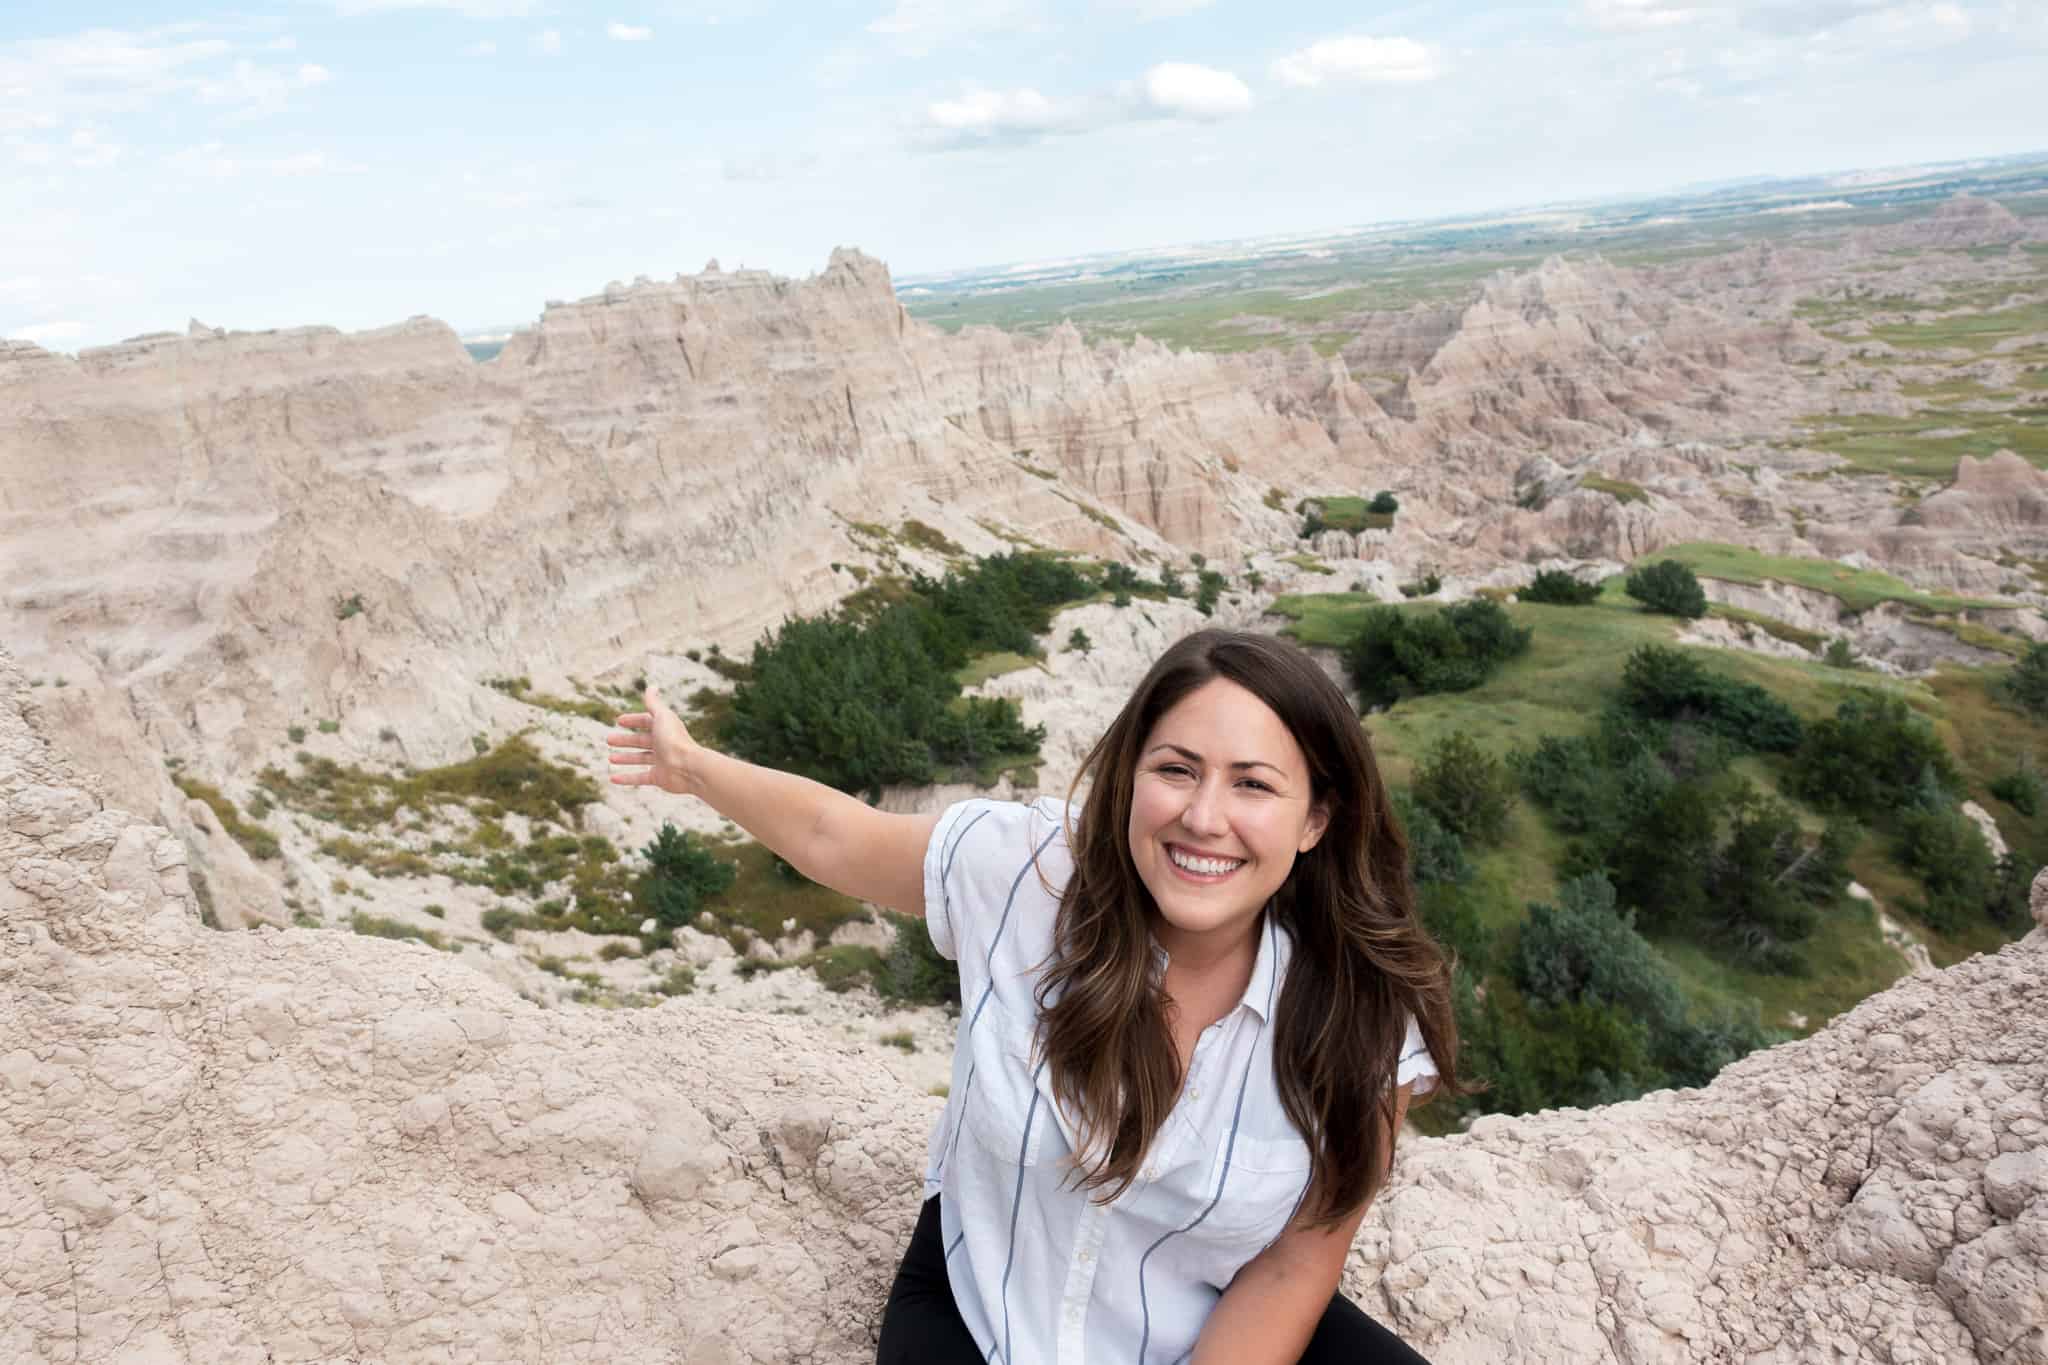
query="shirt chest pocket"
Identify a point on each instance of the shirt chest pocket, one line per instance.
(1263, 1182)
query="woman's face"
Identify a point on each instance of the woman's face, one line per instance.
(1220, 808)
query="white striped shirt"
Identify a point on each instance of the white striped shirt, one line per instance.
(1040, 1272)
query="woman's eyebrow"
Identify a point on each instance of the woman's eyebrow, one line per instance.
(1191, 756)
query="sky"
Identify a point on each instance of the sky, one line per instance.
(355, 162)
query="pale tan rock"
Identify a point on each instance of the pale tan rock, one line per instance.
(284, 1144)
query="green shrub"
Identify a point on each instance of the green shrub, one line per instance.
(1868, 756)
(1426, 586)
(2027, 685)
(1669, 684)
(1455, 914)
(1079, 642)
(1839, 653)
(2020, 789)
(1435, 852)
(500, 922)
(1946, 850)
(345, 607)
(1384, 503)
(295, 733)
(681, 980)
(1468, 790)
(1208, 588)
(1586, 948)
(1670, 587)
(1398, 654)
(679, 879)
(329, 727)
(863, 703)
(1558, 588)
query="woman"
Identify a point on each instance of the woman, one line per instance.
(1194, 1010)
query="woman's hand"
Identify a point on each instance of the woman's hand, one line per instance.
(653, 749)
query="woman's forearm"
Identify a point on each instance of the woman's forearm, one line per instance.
(798, 818)
(830, 837)
(1262, 1320)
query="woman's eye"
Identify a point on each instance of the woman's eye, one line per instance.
(1256, 785)
(1176, 770)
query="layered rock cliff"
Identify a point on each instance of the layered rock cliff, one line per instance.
(231, 1147)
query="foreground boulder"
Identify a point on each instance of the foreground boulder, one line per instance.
(291, 1145)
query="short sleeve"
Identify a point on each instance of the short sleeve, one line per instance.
(1416, 1064)
(975, 872)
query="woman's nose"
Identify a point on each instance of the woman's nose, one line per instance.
(1204, 812)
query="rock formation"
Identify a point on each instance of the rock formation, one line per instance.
(289, 1145)
(214, 536)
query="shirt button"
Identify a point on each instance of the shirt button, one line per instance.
(1085, 1257)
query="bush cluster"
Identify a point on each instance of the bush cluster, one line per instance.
(679, 878)
(1398, 654)
(1602, 1017)
(1694, 849)
(1668, 587)
(859, 704)
(1664, 683)
(1558, 588)
(2026, 687)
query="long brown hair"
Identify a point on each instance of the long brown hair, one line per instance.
(1360, 956)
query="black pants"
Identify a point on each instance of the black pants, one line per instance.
(922, 1326)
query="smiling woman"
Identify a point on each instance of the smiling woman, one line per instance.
(1193, 1012)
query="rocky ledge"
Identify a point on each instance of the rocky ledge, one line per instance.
(299, 1145)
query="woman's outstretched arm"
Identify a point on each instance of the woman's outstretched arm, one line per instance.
(825, 834)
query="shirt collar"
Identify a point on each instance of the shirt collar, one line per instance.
(1261, 992)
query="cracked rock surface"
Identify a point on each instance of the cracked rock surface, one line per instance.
(307, 1146)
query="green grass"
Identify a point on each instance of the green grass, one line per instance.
(1342, 513)
(377, 926)
(1574, 663)
(1857, 589)
(762, 897)
(985, 666)
(1308, 563)
(1811, 640)
(1619, 489)
(1971, 331)
(1906, 446)
(590, 708)
(257, 841)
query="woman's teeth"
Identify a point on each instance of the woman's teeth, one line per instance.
(1206, 867)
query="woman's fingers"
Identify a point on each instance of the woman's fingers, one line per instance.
(633, 756)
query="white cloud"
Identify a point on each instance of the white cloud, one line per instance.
(548, 42)
(627, 33)
(1145, 10)
(980, 117)
(1186, 90)
(1357, 59)
(213, 161)
(43, 333)
(1632, 16)
(483, 47)
(1951, 17)
(472, 9)
(98, 71)
(916, 28)
(284, 44)
(997, 114)
(89, 152)
(260, 89)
